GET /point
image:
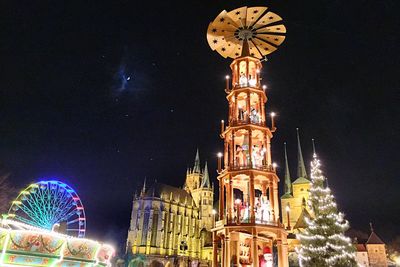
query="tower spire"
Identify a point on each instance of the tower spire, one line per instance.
(301, 168)
(206, 178)
(313, 148)
(144, 186)
(196, 167)
(288, 182)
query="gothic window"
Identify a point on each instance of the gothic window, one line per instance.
(154, 230)
(186, 225)
(171, 222)
(145, 227)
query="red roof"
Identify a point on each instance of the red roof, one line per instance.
(360, 247)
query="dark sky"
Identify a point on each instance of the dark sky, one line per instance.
(65, 112)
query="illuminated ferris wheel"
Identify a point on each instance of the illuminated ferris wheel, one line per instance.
(50, 204)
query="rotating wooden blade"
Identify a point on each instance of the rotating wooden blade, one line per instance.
(238, 15)
(272, 29)
(253, 14)
(267, 19)
(264, 47)
(272, 38)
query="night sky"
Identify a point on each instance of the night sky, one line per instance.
(102, 95)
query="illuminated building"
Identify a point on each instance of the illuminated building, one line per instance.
(371, 252)
(171, 226)
(248, 231)
(376, 251)
(294, 200)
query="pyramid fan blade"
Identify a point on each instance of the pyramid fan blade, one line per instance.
(272, 38)
(215, 40)
(273, 29)
(237, 50)
(264, 47)
(267, 19)
(238, 15)
(224, 22)
(255, 24)
(226, 49)
(214, 37)
(254, 13)
(254, 51)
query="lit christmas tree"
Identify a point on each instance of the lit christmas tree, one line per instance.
(323, 243)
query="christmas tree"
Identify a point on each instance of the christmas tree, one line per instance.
(323, 242)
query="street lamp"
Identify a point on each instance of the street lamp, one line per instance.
(214, 212)
(227, 82)
(288, 216)
(274, 165)
(273, 114)
(219, 155)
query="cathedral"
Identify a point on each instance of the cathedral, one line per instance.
(171, 226)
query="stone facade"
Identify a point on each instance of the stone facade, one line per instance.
(171, 226)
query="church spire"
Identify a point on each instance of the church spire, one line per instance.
(144, 187)
(288, 182)
(196, 168)
(301, 168)
(206, 178)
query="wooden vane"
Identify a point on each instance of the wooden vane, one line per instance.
(246, 31)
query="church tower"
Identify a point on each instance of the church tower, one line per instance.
(294, 201)
(249, 229)
(198, 185)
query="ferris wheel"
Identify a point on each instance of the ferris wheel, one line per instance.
(50, 204)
